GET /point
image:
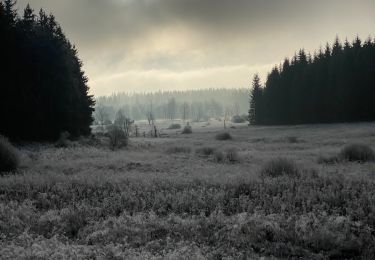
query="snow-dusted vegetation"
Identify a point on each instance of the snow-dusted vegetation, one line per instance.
(170, 197)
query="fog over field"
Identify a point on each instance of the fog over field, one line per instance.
(187, 129)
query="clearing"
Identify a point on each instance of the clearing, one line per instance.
(191, 196)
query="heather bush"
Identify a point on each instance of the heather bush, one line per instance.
(328, 159)
(219, 156)
(174, 126)
(280, 166)
(187, 130)
(358, 153)
(238, 119)
(223, 136)
(205, 151)
(9, 157)
(231, 155)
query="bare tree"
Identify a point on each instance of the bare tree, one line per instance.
(123, 122)
(101, 115)
(185, 111)
(227, 115)
(171, 109)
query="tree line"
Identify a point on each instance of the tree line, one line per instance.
(335, 84)
(195, 105)
(43, 88)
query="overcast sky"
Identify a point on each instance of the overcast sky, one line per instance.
(150, 45)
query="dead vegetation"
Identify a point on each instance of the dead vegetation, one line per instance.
(210, 201)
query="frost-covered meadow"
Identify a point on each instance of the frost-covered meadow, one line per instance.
(190, 196)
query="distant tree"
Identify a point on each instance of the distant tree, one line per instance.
(102, 115)
(210, 102)
(171, 108)
(185, 111)
(255, 101)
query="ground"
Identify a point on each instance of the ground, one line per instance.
(164, 198)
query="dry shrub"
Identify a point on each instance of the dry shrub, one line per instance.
(205, 151)
(223, 136)
(187, 130)
(219, 156)
(117, 138)
(92, 140)
(63, 140)
(280, 167)
(328, 159)
(238, 119)
(174, 126)
(358, 153)
(231, 155)
(9, 157)
(178, 149)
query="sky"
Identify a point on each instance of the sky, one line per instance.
(152, 45)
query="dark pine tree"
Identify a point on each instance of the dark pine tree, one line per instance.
(43, 88)
(255, 111)
(337, 84)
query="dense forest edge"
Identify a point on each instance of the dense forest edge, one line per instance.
(192, 105)
(43, 87)
(45, 90)
(335, 84)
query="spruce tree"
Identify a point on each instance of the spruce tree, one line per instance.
(43, 85)
(255, 101)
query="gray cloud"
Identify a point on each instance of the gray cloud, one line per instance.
(152, 37)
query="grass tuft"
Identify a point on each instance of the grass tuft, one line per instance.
(357, 153)
(280, 167)
(205, 151)
(174, 126)
(223, 136)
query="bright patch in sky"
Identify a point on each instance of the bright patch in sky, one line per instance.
(150, 45)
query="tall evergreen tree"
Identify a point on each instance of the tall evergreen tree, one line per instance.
(336, 85)
(255, 111)
(43, 85)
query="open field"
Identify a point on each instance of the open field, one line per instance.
(190, 196)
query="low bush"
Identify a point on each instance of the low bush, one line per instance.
(174, 126)
(117, 138)
(292, 139)
(205, 151)
(187, 130)
(219, 156)
(328, 159)
(231, 155)
(223, 136)
(9, 157)
(238, 119)
(279, 167)
(358, 153)
(178, 149)
(63, 140)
